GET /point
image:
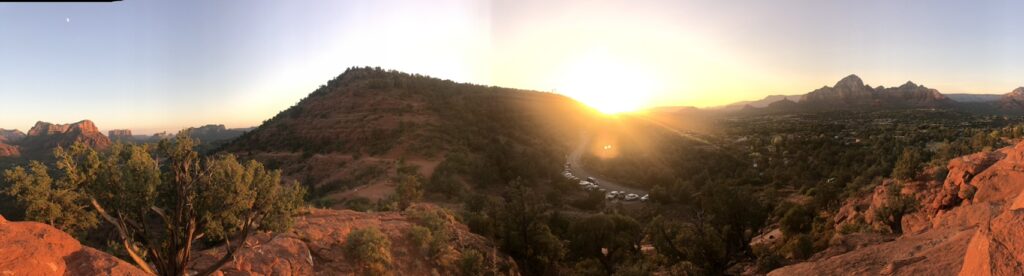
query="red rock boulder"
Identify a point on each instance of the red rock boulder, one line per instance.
(31, 248)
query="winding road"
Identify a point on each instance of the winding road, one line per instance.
(579, 171)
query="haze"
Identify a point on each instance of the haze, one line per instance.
(152, 66)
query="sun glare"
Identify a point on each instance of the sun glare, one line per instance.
(608, 85)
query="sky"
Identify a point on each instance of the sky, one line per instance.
(156, 66)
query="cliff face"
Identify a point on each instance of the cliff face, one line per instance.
(44, 137)
(119, 134)
(968, 224)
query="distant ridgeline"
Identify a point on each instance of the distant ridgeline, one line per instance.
(852, 94)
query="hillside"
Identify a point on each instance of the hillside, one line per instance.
(316, 246)
(361, 127)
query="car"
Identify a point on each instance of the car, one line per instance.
(645, 197)
(632, 197)
(584, 183)
(591, 179)
(609, 196)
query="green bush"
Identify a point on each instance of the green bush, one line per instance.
(471, 262)
(371, 250)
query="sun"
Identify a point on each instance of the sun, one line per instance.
(609, 85)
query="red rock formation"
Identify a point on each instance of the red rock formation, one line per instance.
(971, 224)
(44, 137)
(119, 134)
(11, 135)
(8, 150)
(30, 248)
(852, 93)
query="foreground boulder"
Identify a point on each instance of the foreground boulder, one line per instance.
(32, 248)
(971, 224)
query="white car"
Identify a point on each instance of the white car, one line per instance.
(609, 196)
(645, 197)
(632, 197)
(584, 183)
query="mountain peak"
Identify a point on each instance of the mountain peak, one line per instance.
(909, 84)
(1019, 91)
(850, 81)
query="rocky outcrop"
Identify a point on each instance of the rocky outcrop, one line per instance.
(44, 137)
(1012, 102)
(315, 245)
(119, 134)
(30, 248)
(970, 224)
(11, 135)
(8, 151)
(211, 133)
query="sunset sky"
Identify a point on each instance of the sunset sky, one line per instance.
(164, 65)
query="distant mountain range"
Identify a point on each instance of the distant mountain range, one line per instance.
(43, 137)
(850, 93)
(207, 133)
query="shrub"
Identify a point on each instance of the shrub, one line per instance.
(797, 220)
(371, 250)
(420, 237)
(800, 247)
(471, 262)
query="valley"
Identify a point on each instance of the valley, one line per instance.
(511, 138)
(764, 189)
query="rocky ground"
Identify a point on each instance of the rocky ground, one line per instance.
(314, 246)
(969, 224)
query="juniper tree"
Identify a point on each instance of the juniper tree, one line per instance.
(160, 200)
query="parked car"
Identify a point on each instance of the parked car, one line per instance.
(645, 197)
(584, 183)
(591, 179)
(632, 197)
(609, 196)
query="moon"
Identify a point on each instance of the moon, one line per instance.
(67, 19)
